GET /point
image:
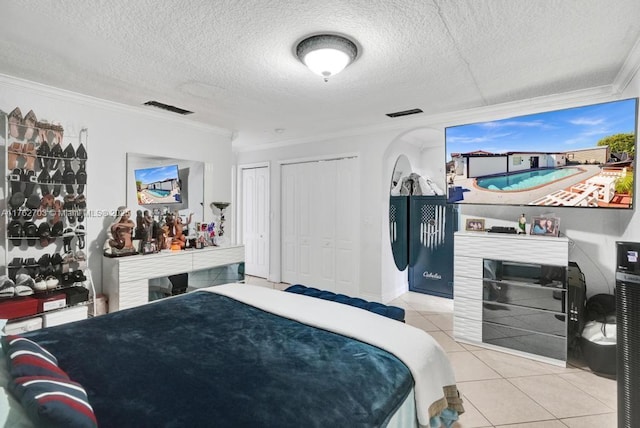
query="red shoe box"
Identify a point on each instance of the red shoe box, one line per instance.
(18, 307)
(49, 302)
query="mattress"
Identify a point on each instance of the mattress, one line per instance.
(424, 401)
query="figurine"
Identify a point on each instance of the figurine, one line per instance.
(522, 224)
(120, 235)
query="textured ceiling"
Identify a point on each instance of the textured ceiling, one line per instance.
(232, 62)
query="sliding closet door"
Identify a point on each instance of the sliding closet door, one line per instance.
(320, 204)
(255, 220)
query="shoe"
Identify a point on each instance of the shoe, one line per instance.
(29, 178)
(7, 286)
(44, 180)
(78, 276)
(16, 180)
(80, 232)
(15, 232)
(68, 152)
(57, 182)
(31, 266)
(68, 177)
(32, 205)
(56, 229)
(43, 152)
(15, 123)
(57, 211)
(68, 236)
(24, 285)
(81, 205)
(56, 156)
(52, 282)
(44, 232)
(81, 178)
(30, 156)
(15, 205)
(56, 263)
(81, 153)
(70, 208)
(46, 204)
(67, 279)
(44, 265)
(14, 152)
(30, 130)
(30, 232)
(40, 284)
(14, 267)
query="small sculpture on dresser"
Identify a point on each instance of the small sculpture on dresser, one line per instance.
(522, 224)
(119, 240)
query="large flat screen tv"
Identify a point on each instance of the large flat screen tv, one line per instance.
(158, 185)
(577, 157)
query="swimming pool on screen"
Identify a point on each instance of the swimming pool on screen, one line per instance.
(524, 180)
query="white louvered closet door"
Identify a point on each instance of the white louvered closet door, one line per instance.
(320, 224)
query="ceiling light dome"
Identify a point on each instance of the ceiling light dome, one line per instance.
(326, 54)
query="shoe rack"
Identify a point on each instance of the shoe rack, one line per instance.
(45, 196)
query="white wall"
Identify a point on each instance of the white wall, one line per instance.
(114, 130)
(592, 235)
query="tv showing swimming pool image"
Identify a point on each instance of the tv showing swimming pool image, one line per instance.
(158, 185)
(577, 157)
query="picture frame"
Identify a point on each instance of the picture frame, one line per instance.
(545, 226)
(474, 225)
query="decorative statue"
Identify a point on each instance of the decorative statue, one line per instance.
(141, 229)
(175, 231)
(119, 240)
(522, 224)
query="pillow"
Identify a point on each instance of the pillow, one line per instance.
(54, 402)
(26, 358)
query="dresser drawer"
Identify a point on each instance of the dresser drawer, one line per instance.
(468, 308)
(467, 266)
(525, 318)
(524, 340)
(470, 288)
(154, 266)
(205, 259)
(467, 329)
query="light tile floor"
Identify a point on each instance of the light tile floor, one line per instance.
(506, 391)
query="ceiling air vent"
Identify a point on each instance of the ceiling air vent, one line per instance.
(405, 113)
(167, 107)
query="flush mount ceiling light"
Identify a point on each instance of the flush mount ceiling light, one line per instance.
(326, 54)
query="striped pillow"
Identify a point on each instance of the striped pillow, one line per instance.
(26, 358)
(54, 402)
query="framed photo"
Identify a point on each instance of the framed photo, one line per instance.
(549, 226)
(474, 224)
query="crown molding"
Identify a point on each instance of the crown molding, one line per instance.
(439, 121)
(65, 95)
(629, 69)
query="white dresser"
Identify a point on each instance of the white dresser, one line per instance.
(125, 280)
(510, 293)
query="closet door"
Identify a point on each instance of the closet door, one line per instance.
(320, 202)
(297, 222)
(255, 220)
(347, 226)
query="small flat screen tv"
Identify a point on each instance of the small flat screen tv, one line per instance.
(577, 157)
(158, 185)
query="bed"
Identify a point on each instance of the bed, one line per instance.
(237, 355)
